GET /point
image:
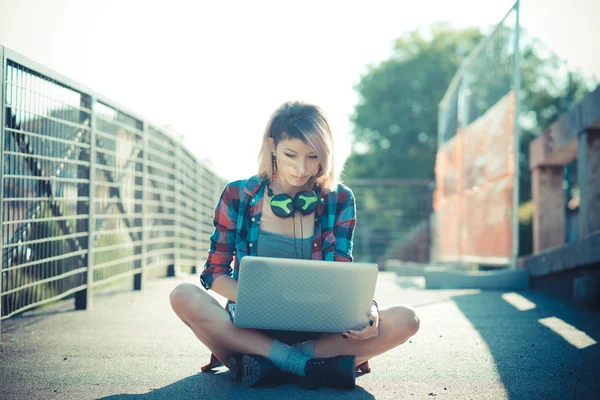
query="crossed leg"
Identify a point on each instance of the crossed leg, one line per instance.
(211, 324)
(396, 325)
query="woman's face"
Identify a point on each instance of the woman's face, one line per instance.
(296, 162)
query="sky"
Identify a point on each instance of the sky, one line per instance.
(215, 71)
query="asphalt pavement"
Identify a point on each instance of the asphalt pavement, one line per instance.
(472, 344)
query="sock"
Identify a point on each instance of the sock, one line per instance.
(287, 358)
(308, 348)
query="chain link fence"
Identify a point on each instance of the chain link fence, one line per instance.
(92, 192)
(393, 220)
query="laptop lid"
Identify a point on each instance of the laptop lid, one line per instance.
(304, 295)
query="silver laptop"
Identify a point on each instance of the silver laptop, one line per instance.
(304, 295)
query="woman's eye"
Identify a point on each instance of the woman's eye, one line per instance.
(294, 156)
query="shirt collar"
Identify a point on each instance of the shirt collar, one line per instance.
(254, 185)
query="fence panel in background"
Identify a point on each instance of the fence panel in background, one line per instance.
(475, 206)
(210, 190)
(46, 138)
(91, 193)
(117, 196)
(392, 220)
(160, 201)
(188, 210)
(474, 181)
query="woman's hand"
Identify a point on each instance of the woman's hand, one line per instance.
(370, 331)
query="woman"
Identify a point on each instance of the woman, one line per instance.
(252, 219)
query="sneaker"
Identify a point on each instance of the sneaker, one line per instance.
(338, 372)
(253, 370)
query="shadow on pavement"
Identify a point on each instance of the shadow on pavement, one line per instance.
(32, 317)
(220, 385)
(532, 360)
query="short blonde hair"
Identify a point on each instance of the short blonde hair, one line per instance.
(307, 122)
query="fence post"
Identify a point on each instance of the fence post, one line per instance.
(464, 101)
(429, 214)
(84, 207)
(516, 142)
(92, 211)
(198, 219)
(138, 278)
(2, 111)
(462, 114)
(179, 169)
(174, 268)
(441, 125)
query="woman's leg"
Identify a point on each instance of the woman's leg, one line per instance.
(396, 325)
(211, 323)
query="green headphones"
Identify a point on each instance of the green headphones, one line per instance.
(284, 206)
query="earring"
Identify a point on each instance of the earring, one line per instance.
(274, 168)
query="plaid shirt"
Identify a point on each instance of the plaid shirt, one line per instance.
(237, 223)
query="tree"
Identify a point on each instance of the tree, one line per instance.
(395, 120)
(395, 135)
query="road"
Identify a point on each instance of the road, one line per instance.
(472, 345)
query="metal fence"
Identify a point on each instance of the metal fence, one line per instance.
(477, 164)
(393, 220)
(92, 192)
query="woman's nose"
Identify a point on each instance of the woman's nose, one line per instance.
(300, 167)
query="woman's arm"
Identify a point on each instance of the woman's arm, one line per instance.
(222, 241)
(345, 222)
(226, 286)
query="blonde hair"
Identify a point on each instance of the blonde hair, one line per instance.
(307, 122)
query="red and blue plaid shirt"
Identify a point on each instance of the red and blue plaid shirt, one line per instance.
(237, 223)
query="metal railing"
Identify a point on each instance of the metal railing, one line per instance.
(393, 220)
(92, 192)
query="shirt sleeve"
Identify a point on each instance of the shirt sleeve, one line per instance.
(345, 222)
(222, 240)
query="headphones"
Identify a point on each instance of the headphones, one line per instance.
(284, 206)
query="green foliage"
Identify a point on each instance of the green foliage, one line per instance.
(544, 99)
(395, 121)
(396, 118)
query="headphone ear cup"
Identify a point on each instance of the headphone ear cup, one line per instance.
(282, 205)
(306, 202)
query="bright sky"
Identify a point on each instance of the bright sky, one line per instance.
(215, 71)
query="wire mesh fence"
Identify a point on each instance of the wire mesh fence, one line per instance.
(92, 193)
(509, 89)
(476, 159)
(393, 220)
(117, 194)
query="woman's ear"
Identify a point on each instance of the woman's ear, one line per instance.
(271, 145)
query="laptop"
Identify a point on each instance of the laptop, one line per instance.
(304, 295)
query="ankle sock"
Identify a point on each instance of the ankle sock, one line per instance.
(288, 358)
(308, 348)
